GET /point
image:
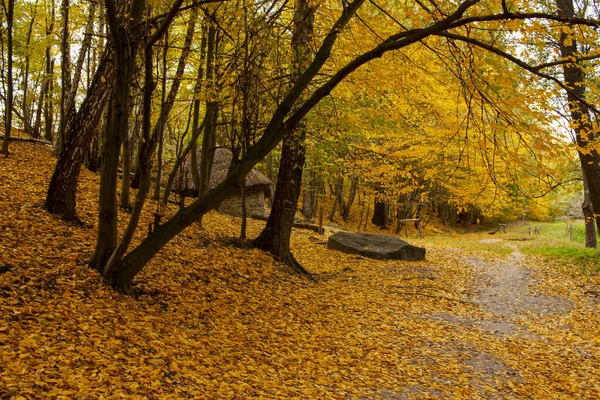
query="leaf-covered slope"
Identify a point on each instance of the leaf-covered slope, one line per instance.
(215, 321)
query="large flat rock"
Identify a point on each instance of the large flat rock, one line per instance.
(381, 247)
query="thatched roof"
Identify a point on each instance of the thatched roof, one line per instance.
(221, 163)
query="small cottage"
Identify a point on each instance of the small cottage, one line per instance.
(258, 187)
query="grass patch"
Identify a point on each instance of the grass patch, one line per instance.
(587, 260)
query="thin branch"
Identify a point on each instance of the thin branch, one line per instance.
(561, 62)
(518, 62)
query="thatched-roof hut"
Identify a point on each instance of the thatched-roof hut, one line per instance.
(258, 187)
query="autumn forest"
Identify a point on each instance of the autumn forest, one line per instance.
(174, 177)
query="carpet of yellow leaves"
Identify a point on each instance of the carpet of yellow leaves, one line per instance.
(215, 321)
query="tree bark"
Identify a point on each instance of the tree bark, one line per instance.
(380, 217)
(8, 107)
(48, 79)
(275, 237)
(65, 75)
(196, 118)
(574, 77)
(346, 206)
(337, 197)
(124, 50)
(209, 139)
(69, 106)
(163, 95)
(27, 117)
(588, 213)
(60, 198)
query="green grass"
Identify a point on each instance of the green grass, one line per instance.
(554, 242)
(566, 248)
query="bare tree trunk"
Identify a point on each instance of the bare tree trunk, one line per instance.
(65, 75)
(346, 206)
(163, 95)
(8, 107)
(43, 90)
(145, 150)
(69, 106)
(48, 103)
(124, 64)
(27, 118)
(337, 196)
(125, 182)
(270, 174)
(196, 119)
(49, 79)
(210, 129)
(92, 157)
(379, 218)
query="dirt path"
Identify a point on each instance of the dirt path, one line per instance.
(505, 291)
(509, 292)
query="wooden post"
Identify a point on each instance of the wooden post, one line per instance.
(418, 226)
(417, 222)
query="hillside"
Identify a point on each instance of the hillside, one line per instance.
(477, 319)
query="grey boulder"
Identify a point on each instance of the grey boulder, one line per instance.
(381, 247)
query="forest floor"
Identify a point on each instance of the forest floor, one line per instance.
(481, 317)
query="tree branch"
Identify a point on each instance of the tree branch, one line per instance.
(165, 23)
(518, 62)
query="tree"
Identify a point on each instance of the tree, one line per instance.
(9, 10)
(582, 124)
(449, 24)
(123, 59)
(275, 237)
(60, 197)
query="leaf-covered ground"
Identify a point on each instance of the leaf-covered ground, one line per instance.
(215, 321)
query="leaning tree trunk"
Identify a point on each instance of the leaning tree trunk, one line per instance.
(574, 77)
(60, 198)
(70, 97)
(275, 237)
